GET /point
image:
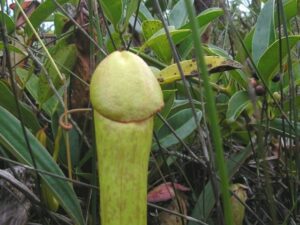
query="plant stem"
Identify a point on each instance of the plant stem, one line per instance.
(213, 117)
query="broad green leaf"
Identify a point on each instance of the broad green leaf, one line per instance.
(59, 22)
(178, 15)
(169, 97)
(240, 77)
(187, 45)
(41, 13)
(160, 45)
(290, 9)
(150, 27)
(242, 55)
(12, 139)
(119, 12)
(204, 18)
(183, 123)
(7, 101)
(264, 33)
(129, 7)
(144, 13)
(180, 105)
(215, 50)
(65, 58)
(268, 64)
(10, 25)
(31, 82)
(12, 48)
(113, 11)
(236, 105)
(206, 200)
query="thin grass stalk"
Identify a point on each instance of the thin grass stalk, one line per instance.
(283, 136)
(134, 23)
(188, 93)
(213, 118)
(94, 24)
(261, 152)
(62, 78)
(79, 27)
(293, 94)
(294, 114)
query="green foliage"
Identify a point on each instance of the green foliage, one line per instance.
(7, 101)
(12, 138)
(237, 104)
(9, 23)
(264, 33)
(42, 12)
(65, 57)
(268, 65)
(183, 122)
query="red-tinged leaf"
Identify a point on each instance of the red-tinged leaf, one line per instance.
(180, 187)
(164, 192)
(24, 5)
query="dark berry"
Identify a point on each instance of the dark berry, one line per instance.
(276, 78)
(260, 90)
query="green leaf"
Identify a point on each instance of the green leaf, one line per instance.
(236, 105)
(215, 50)
(12, 139)
(264, 33)
(204, 18)
(112, 10)
(183, 123)
(160, 45)
(187, 45)
(268, 64)
(59, 22)
(65, 58)
(150, 27)
(10, 25)
(240, 77)
(290, 9)
(242, 55)
(7, 101)
(75, 145)
(178, 15)
(31, 82)
(169, 97)
(182, 104)
(12, 48)
(41, 13)
(144, 13)
(129, 7)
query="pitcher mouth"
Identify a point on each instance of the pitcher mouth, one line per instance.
(129, 121)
